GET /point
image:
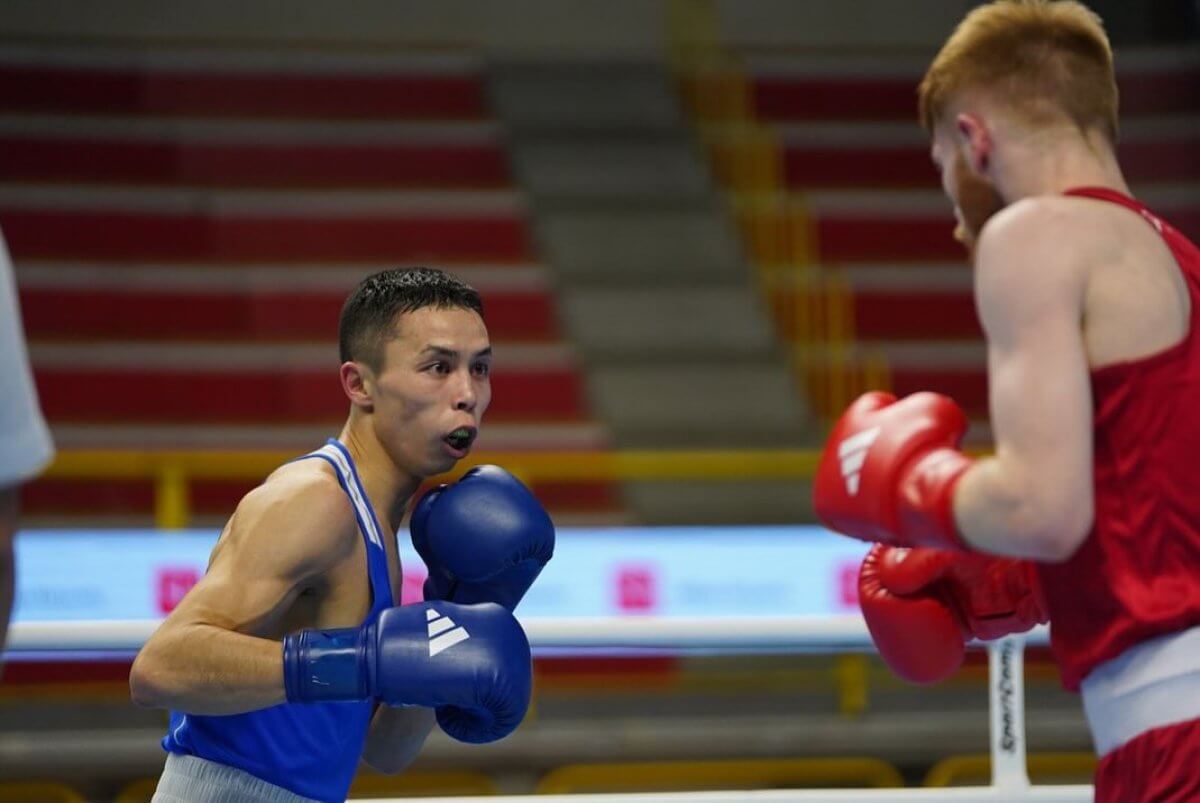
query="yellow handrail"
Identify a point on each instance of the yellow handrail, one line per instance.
(555, 466)
(173, 470)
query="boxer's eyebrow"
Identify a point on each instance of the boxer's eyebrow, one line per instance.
(442, 351)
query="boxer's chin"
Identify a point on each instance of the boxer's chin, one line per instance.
(966, 238)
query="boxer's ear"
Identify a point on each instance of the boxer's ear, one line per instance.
(973, 134)
(358, 383)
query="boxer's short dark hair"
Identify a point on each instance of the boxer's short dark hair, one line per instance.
(369, 315)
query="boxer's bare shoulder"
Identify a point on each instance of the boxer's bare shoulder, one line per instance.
(1102, 268)
(285, 536)
(1030, 266)
(299, 506)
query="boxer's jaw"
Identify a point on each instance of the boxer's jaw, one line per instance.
(972, 194)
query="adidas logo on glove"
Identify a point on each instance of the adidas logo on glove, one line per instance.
(852, 452)
(443, 633)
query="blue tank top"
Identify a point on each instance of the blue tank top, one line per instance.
(312, 749)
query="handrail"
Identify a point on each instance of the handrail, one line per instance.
(555, 466)
(173, 470)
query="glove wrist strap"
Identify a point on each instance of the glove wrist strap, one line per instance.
(1036, 592)
(926, 501)
(325, 665)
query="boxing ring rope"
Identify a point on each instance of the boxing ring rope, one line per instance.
(1010, 779)
(985, 794)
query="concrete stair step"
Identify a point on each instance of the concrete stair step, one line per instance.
(688, 242)
(715, 404)
(585, 95)
(653, 323)
(598, 169)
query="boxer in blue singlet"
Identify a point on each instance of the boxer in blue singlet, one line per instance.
(292, 659)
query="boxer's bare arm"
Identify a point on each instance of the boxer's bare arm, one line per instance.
(210, 656)
(396, 737)
(1033, 498)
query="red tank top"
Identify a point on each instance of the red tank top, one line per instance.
(1137, 575)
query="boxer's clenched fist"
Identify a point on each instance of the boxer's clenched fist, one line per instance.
(923, 605)
(889, 470)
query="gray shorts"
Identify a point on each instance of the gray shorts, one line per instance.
(189, 779)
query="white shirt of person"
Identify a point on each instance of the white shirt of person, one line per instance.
(25, 445)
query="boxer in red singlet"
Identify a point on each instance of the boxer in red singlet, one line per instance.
(1088, 513)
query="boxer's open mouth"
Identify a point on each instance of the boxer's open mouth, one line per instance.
(461, 438)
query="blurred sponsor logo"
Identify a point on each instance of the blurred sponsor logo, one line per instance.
(412, 587)
(848, 585)
(173, 583)
(637, 589)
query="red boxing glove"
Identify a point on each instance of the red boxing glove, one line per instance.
(923, 605)
(918, 636)
(889, 469)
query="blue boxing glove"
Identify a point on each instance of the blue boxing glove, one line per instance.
(470, 662)
(483, 539)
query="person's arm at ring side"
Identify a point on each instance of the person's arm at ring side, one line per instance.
(396, 737)
(1034, 497)
(211, 655)
(8, 531)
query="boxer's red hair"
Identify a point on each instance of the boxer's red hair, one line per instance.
(1043, 60)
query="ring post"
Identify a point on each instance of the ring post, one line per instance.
(1006, 688)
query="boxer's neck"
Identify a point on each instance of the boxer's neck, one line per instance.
(388, 485)
(1053, 161)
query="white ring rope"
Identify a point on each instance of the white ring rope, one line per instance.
(988, 794)
(751, 633)
(1010, 780)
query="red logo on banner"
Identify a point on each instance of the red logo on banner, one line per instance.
(173, 583)
(637, 589)
(848, 584)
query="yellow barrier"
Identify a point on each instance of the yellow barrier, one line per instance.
(38, 792)
(140, 791)
(172, 471)
(419, 783)
(1046, 768)
(743, 774)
